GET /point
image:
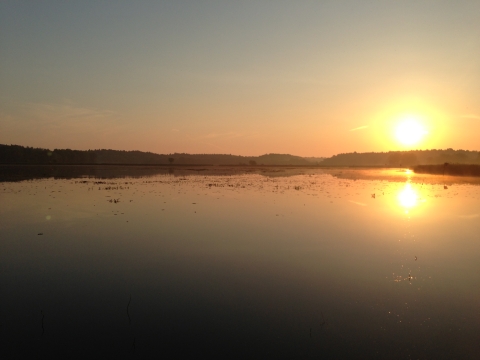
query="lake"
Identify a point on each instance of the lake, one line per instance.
(220, 262)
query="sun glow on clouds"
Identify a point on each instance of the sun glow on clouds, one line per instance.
(359, 128)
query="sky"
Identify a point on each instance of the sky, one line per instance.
(309, 78)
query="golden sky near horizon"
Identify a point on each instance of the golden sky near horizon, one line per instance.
(310, 78)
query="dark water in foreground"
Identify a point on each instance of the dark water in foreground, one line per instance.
(281, 263)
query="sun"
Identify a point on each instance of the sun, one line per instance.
(409, 131)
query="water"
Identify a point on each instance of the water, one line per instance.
(239, 263)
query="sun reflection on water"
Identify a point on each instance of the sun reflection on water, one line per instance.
(408, 197)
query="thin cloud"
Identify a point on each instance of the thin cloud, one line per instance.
(68, 116)
(66, 111)
(473, 216)
(357, 203)
(62, 124)
(227, 135)
(214, 146)
(238, 78)
(470, 116)
(360, 128)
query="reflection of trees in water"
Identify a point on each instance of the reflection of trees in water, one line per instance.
(31, 172)
(402, 175)
(449, 169)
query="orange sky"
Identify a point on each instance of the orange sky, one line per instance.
(310, 79)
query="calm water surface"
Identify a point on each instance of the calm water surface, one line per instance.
(281, 263)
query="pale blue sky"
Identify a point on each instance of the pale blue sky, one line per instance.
(243, 77)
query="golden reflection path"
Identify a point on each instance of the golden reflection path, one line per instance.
(408, 197)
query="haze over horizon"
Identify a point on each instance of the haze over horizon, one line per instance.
(246, 78)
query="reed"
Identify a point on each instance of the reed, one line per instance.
(43, 317)
(449, 169)
(128, 313)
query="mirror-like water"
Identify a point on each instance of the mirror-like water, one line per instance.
(284, 263)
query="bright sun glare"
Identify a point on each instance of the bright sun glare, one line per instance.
(409, 131)
(408, 198)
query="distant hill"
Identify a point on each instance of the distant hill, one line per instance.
(15, 154)
(315, 160)
(404, 158)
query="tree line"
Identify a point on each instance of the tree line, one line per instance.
(404, 158)
(16, 154)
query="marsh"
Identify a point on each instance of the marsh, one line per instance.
(281, 263)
